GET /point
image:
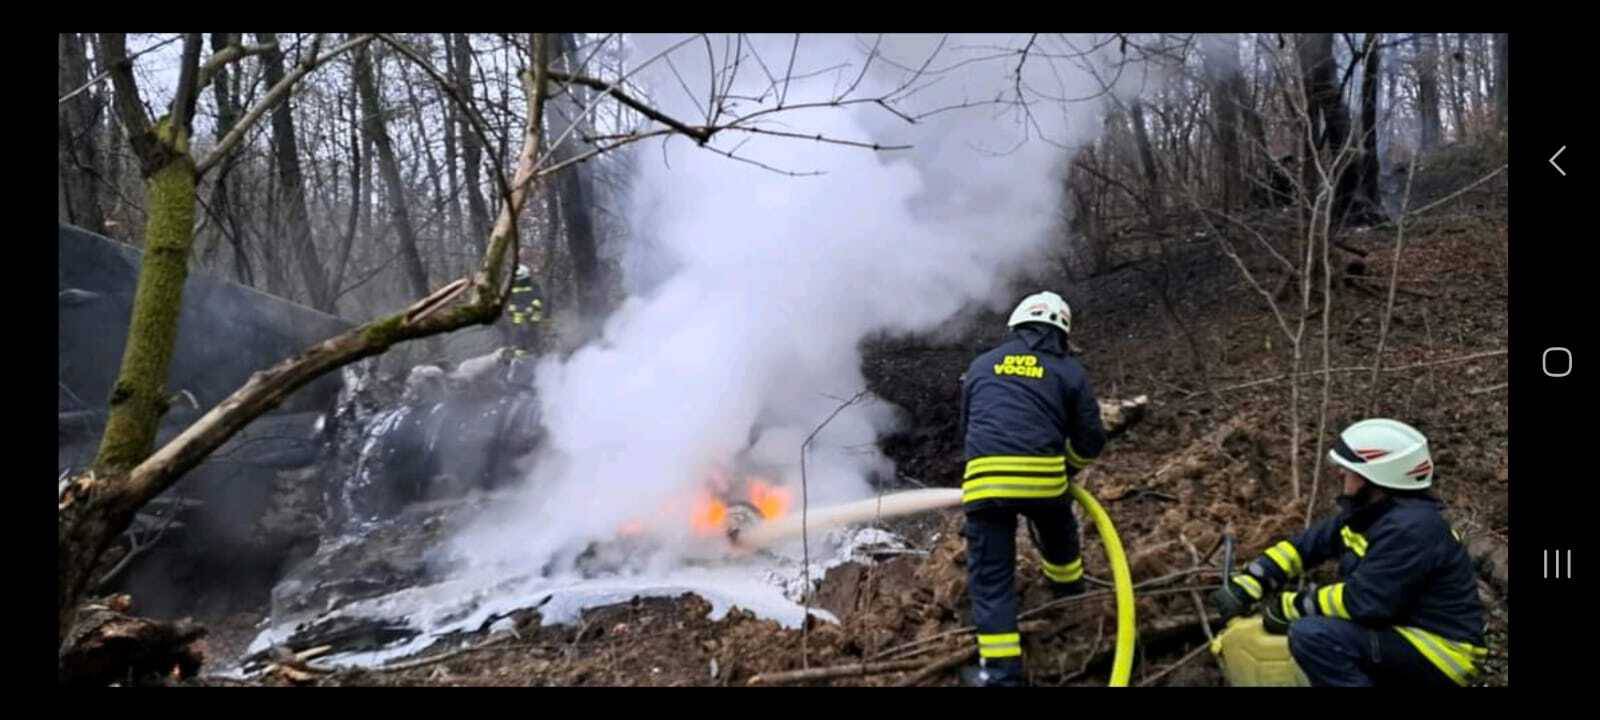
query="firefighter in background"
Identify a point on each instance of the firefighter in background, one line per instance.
(1406, 611)
(1030, 421)
(526, 313)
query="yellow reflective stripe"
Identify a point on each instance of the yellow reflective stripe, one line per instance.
(1070, 572)
(1452, 658)
(999, 646)
(1288, 602)
(1012, 491)
(1014, 481)
(1073, 458)
(1287, 558)
(1282, 561)
(1354, 540)
(1056, 475)
(1016, 463)
(1249, 584)
(1330, 600)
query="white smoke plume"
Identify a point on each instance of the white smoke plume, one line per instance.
(752, 289)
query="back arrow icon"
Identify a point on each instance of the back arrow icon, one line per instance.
(1553, 161)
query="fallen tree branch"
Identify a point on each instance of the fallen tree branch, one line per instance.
(943, 664)
(899, 651)
(1397, 288)
(824, 673)
(1489, 389)
(1139, 492)
(1192, 654)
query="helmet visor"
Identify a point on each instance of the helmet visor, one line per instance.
(1344, 451)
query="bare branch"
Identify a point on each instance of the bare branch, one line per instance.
(96, 80)
(273, 96)
(230, 54)
(818, 137)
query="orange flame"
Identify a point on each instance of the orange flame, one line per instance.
(631, 528)
(711, 517)
(771, 500)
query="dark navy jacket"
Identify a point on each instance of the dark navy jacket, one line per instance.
(1027, 397)
(1400, 564)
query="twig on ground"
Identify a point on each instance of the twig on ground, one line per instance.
(1137, 492)
(836, 671)
(1446, 361)
(1194, 595)
(1180, 663)
(938, 666)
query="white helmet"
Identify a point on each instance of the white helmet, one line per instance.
(523, 273)
(1045, 307)
(1388, 453)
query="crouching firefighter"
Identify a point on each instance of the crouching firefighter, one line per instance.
(1030, 420)
(526, 311)
(1406, 611)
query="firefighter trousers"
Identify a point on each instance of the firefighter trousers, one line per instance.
(991, 534)
(1337, 652)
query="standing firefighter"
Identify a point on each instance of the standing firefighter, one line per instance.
(1030, 421)
(1406, 611)
(526, 311)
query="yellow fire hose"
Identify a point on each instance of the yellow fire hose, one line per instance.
(1122, 578)
(914, 501)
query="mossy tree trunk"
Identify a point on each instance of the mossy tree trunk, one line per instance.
(96, 506)
(138, 400)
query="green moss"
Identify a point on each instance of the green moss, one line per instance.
(138, 400)
(385, 332)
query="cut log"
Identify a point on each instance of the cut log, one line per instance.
(109, 646)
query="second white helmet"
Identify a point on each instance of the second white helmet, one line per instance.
(1044, 307)
(1388, 453)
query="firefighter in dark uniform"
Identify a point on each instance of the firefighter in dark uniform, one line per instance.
(1406, 610)
(526, 312)
(1030, 420)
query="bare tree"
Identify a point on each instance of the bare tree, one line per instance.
(1427, 63)
(76, 121)
(377, 131)
(576, 202)
(1458, 86)
(292, 185)
(471, 145)
(1221, 58)
(1501, 45)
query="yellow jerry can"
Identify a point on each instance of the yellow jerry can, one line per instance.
(1253, 657)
